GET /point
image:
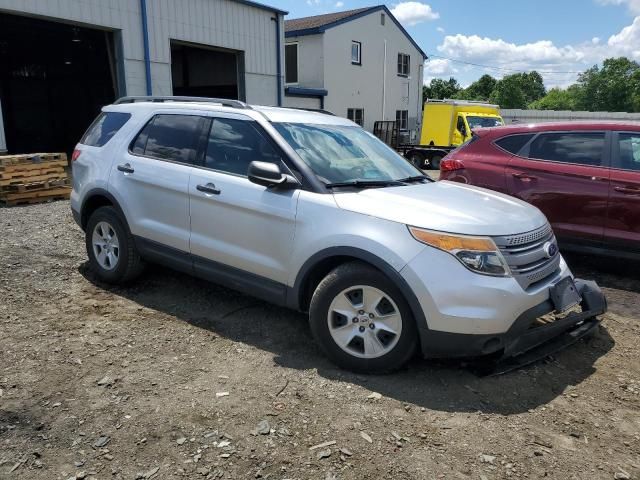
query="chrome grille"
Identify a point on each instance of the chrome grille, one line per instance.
(526, 255)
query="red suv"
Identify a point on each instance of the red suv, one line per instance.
(585, 177)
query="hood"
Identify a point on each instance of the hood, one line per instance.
(446, 207)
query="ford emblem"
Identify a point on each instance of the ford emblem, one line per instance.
(550, 249)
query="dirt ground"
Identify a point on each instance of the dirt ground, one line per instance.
(174, 377)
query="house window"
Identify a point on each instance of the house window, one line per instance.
(356, 115)
(356, 53)
(403, 64)
(402, 119)
(291, 63)
(382, 19)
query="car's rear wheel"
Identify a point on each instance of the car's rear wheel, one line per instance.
(110, 247)
(434, 163)
(362, 321)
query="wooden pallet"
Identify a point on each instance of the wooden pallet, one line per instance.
(31, 158)
(44, 184)
(49, 176)
(25, 167)
(49, 192)
(31, 201)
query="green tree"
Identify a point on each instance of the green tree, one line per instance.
(481, 89)
(532, 86)
(508, 93)
(555, 99)
(613, 88)
(440, 89)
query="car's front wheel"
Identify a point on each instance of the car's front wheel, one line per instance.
(362, 321)
(111, 248)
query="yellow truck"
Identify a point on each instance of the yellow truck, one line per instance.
(446, 124)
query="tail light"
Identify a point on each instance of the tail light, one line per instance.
(76, 153)
(451, 164)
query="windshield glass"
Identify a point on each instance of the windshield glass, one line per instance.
(476, 122)
(339, 153)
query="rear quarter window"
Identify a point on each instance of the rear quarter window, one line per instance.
(514, 143)
(104, 128)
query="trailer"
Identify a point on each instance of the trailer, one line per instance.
(446, 124)
(421, 156)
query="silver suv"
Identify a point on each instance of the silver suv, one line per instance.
(308, 210)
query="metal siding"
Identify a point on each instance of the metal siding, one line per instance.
(3, 141)
(218, 23)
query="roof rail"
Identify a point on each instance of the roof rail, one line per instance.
(225, 102)
(315, 110)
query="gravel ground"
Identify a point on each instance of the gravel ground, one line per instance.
(174, 377)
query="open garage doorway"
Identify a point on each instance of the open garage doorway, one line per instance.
(54, 78)
(200, 71)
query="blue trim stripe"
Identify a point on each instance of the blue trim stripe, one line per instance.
(323, 28)
(145, 43)
(279, 60)
(306, 92)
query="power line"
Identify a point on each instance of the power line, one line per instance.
(546, 72)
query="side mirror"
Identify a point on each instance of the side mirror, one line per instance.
(269, 175)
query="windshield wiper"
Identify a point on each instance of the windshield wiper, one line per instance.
(416, 178)
(367, 183)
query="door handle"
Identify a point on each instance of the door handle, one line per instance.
(627, 190)
(209, 188)
(525, 177)
(126, 168)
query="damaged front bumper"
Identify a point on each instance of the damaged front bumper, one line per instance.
(531, 337)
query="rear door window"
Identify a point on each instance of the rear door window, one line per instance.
(105, 126)
(514, 143)
(582, 148)
(170, 137)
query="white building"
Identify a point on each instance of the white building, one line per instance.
(60, 61)
(361, 64)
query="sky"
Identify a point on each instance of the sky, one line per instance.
(558, 38)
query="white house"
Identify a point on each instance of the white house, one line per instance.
(360, 64)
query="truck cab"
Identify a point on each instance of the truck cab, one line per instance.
(449, 123)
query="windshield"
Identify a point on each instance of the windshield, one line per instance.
(476, 122)
(338, 154)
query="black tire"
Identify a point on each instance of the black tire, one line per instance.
(346, 276)
(416, 159)
(434, 163)
(129, 264)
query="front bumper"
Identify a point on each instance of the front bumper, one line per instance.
(523, 336)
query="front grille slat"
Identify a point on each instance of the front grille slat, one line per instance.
(526, 255)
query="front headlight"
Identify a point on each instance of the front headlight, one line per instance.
(478, 254)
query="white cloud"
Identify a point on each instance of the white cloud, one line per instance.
(632, 5)
(339, 4)
(412, 13)
(556, 64)
(438, 68)
(627, 42)
(440, 29)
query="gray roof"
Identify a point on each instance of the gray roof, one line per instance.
(320, 20)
